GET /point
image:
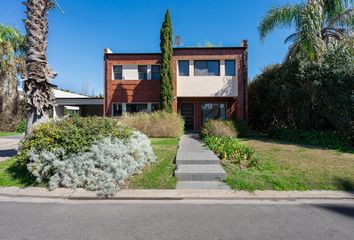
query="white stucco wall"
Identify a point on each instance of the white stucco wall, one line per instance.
(130, 72)
(206, 86)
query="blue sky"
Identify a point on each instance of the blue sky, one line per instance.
(77, 39)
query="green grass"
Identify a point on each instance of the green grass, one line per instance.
(14, 174)
(4, 134)
(286, 166)
(160, 174)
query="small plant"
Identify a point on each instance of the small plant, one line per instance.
(230, 149)
(156, 124)
(21, 128)
(219, 128)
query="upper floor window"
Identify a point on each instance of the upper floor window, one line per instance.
(183, 67)
(142, 71)
(118, 72)
(230, 68)
(155, 72)
(207, 68)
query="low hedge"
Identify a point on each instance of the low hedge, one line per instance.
(156, 124)
(94, 153)
(230, 149)
(218, 128)
(328, 139)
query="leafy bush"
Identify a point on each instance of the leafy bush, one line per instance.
(318, 138)
(242, 128)
(73, 135)
(95, 153)
(21, 128)
(306, 95)
(156, 124)
(103, 169)
(218, 128)
(230, 149)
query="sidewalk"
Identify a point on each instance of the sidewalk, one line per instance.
(9, 146)
(179, 194)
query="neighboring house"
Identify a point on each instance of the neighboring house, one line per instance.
(68, 102)
(209, 83)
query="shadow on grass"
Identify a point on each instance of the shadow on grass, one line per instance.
(345, 184)
(272, 140)
(19, 172)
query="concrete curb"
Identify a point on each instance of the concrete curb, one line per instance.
(154, 194)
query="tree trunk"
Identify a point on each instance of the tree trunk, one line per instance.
(32, 118)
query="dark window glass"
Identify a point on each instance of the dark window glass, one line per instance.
(117, 109)
(213, 68)
(213, 111)
(155, 72)
(230, 68)
(142, 70)
(183, 67)
(118, 72)
(134, 108)
(200, 68)
(155, 107)
(207, 68)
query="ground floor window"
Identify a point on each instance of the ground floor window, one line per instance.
(119, 109)
(213, 111)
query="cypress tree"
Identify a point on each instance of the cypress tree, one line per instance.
(166, 46)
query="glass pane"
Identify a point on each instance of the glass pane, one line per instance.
(200, 68)
(117, 71)
(155, 107)
(230, 68)
(155, 72)
(133, 108)
(142, 70)
(183, 67)
(213, 68)
(117, 109)
(213, 111)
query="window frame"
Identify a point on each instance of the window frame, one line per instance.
(207, 68)
(152, 71)
(145, 73)
(179, 68)
(121, 72)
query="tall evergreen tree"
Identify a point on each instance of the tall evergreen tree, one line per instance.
(166, 46)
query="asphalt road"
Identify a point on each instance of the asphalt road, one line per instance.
(175, 220)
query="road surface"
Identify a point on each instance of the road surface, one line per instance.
(8, 146)
(64, 219)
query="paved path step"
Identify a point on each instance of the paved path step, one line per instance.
(201, 185)
(205, 157)
(200, 172)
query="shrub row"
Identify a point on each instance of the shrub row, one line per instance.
(156, 124)
(318, 138)
(94, 153)
(221, 137)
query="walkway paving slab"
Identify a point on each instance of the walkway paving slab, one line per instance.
(200, 172)
(201, 185)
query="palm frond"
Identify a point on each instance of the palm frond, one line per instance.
(283, 16)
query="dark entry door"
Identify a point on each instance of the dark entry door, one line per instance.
(187, 112)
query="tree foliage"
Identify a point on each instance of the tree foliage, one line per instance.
(166, 46)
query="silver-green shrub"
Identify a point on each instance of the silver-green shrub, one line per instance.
(103, 169)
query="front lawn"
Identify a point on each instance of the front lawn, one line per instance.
(4, 134)
(159, 175)
(286, 166)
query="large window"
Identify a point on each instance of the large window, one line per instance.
(183, 67)
(117, 109)
(207, 68)
(142, 70)
(118, 72)
(213, 111)
(230, 68)
(155, 72)
(155, 107)
(136, 107)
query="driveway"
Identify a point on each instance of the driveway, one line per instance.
(9, 146)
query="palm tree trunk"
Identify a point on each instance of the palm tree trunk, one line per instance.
(38, 89)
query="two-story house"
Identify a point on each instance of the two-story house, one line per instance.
(209, 83)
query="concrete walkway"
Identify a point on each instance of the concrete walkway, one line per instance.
(197, 166)
(9, 146)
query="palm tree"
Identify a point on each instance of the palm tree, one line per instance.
(12, 49)
(40, 98)
(318, 23)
